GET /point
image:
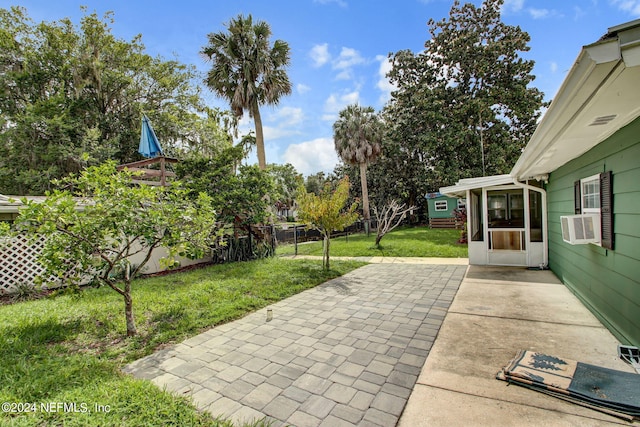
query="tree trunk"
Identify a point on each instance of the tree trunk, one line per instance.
(412, 202)
(365, 192)
(128, 314)
(128, 303)
(365, 197)
(480, 124)
(257, 119)
(325, 251)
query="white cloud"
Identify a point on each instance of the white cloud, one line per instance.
(320, 54)
(282, 122)
(345, 62)
(554, 67)
(340, 3)
(578, 12)
(512, 6)
(544, 13)
(272, 133)
(287, 116)
(345, 75)
(313, 156)
(630, 6)
(335, 103)
(347, 59)
(277, 124)
(383, 83)
(538, 13)
(302, 89)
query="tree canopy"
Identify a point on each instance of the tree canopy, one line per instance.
(72, 96)
(286, 180)
(357, 135)
(464, 106)
(327, 211)
(237, 191)
(247, 71)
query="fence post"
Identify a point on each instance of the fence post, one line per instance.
(273, 240)
(295, 238)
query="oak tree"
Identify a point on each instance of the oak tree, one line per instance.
(465, 106)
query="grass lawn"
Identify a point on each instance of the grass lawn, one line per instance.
(70, 348)
(401, 242)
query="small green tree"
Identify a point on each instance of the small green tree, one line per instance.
(100, 220)
(326, 212)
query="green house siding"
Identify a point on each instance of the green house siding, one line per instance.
(607, 281)
(452, 203)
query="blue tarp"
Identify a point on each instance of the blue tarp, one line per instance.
(149, 144)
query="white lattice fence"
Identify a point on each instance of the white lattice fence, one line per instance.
(19, 262)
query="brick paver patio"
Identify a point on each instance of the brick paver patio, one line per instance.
(345, 353)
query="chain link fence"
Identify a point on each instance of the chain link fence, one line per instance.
(300, 233)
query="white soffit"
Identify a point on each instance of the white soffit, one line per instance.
(600, 95)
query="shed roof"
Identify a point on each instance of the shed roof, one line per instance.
(12, 204)
(461, 187)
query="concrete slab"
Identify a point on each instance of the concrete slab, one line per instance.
(539, 302)
(468, 361)
(496, 312)
(452, 408)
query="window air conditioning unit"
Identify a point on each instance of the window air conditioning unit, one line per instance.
(580, 229)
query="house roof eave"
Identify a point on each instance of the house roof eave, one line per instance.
(598, 97)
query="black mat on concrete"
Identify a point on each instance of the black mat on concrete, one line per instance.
(614, 392)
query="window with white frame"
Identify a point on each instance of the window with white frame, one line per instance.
(441, 205)
(594, 195)
(462, 203)
(590, 194)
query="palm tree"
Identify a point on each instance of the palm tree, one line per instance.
(357, 135)
(247, 71)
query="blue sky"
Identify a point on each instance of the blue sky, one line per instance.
(338, 50)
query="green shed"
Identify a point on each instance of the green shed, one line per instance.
(441, 210)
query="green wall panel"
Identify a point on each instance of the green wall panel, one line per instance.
(608, 281)
(452, 204)
(628, 225)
